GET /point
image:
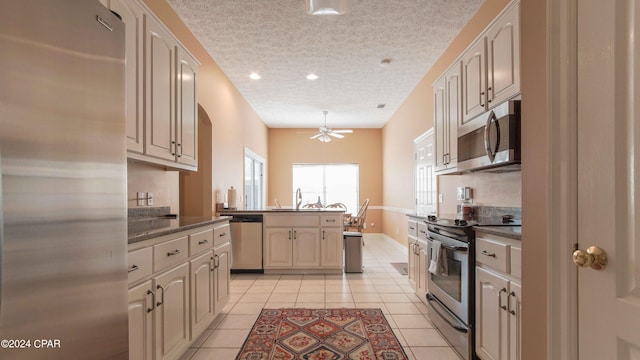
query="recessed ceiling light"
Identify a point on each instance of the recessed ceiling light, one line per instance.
(328, 7)
(255, 76)
(312, 77)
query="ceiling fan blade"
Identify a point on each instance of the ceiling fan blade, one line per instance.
(343, 131)
(316, 136)
(335, 135)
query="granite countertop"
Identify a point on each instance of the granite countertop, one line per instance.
(513, 232)
(147, 225)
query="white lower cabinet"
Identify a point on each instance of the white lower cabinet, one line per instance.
(418, 259)
(141, 305)
(172, 306)
(171, 316)
(222, 267)
(498, 294)
(331, 247)
(202, 293)
(303, 242)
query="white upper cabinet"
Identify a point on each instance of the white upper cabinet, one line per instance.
(491, 65)
(160, 90)
(132, 16)
(503, 57)
(447, 96)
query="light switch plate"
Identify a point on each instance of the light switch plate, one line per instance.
(150, 199)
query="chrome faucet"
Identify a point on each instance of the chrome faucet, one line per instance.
(298, 198)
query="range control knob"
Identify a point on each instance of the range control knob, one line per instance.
(460, 222)
(431, 218)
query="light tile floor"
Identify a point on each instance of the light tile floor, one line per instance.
(379, 286)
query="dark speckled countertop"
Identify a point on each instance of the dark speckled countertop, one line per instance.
(513, 232)
(147, 223)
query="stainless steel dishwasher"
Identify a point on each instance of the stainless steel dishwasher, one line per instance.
(246, 243)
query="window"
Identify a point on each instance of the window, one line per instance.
(331, 183)
(253, 180)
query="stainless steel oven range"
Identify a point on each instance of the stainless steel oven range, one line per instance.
(451, 293)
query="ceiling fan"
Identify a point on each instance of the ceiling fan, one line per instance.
(324, 133)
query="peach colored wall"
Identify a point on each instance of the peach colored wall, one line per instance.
(535, 175)
(413, 118)
(235, 125)
(363, 147)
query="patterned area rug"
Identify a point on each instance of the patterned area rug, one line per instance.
(327, 334)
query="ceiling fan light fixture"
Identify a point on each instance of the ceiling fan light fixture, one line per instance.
(324, 138)
(328, 7)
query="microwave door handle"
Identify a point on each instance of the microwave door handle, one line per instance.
(487, 132)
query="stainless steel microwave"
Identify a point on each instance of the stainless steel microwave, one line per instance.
(491, 141)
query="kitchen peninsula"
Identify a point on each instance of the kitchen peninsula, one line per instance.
(305, 241)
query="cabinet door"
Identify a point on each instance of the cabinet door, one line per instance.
(132, 16)
(172, 313)
(515, 326)
(141, 305)
(491, 319)
(474, 80)
(222, 276)
(306, 247)
(421, 271)
(202, 283)
(187, 121)
(503, 57)
(453, 116)
(331, 247)
(278, 247)
(160, 88)
(442, 138)
(412, 263)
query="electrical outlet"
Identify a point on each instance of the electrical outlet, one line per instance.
(372, 224)
(440, 198)
(150, 199)
(141, 197)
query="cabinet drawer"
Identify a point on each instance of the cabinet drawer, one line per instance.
(412, 228)
(422, 231)
(493, 254)
(516, 262)
(200, 241)
(140, 263)
(221, 235)
(331, 221)
(170, 253)
(296, 219)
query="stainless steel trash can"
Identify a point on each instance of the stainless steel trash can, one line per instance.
(352, 252)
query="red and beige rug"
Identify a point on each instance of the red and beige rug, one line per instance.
(321, 334)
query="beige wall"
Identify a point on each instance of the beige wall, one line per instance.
(287, 146)
(413, 118)
(234, 124)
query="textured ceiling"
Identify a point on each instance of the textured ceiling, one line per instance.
(279, 41)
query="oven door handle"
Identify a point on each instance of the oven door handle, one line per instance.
(452, 248)
(462, 329)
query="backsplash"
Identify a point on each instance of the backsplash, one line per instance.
(148, 212)
(488, 189)
(147, 178)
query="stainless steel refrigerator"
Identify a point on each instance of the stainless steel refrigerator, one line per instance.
(63, 234)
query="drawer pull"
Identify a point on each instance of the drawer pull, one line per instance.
(133, 268)
(489, 254)
(223, 234)
(174, 252)
(202, 242)
(331, 220)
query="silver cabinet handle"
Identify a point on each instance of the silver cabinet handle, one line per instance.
(294, 235)
(161, 301)
(180, 152)
(174, 252)
(216, 261)
(290, 234)
(212, 264)
(223, 234)
(173, 146)
(202, 242)
(153, 300)
(133, 268)
(489, 254)
(322, 234)
(500, 299)
(331, 220)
